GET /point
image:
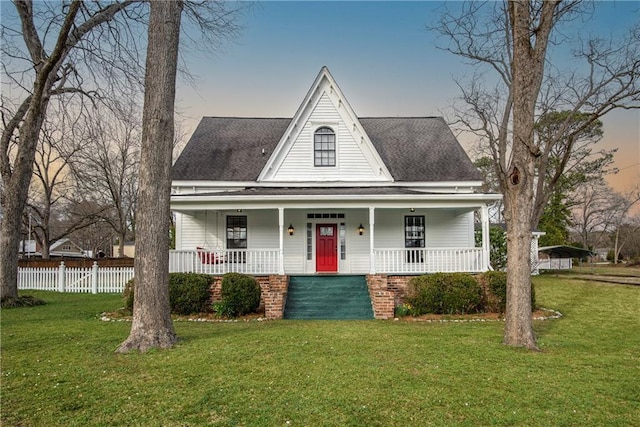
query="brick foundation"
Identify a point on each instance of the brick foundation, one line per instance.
(386, 293)
(273, 293)
(275, 296)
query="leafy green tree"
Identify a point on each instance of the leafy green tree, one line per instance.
(497, 247)
(555, 221)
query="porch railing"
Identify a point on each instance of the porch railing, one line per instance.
(429, 260)
(248, 261)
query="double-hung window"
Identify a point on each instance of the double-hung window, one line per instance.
(237, 232)
(324, 147)
(414, 237)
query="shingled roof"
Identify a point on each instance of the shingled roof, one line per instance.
(237, 149)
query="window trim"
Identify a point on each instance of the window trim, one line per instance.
(317, 150)
(230, 227)
(414, 254)
(419, 239)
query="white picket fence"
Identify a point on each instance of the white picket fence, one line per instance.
(93, 279)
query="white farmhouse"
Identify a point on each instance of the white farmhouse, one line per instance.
(327, 193)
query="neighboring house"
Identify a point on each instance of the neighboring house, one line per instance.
(61, 248)
(601, 254)
(27, 249)
(129, 250)
(327, 192)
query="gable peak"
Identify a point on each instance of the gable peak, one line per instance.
(334, 109)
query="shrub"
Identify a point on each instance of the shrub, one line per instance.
(222, 309)
(495, 286)
(403, 310)
(444, 293)
(188, 293)
(127, 295)
(240, 294)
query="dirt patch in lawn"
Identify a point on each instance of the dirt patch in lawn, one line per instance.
(125, 316)
(538, 314)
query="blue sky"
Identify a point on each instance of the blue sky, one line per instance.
(382, 56)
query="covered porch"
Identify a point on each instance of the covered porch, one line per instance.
(294, 234)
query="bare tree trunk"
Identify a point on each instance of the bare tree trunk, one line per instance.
(518, 202)
(121, 238)
(9, 241)
(16, 188)
(529, 51)
(152, 325)
(45, 249)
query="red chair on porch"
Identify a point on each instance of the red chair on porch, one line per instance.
(207, 257)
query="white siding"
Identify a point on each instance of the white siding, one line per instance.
(200, 229)
(295, 246)
(208, 229)
(351, 163)
(358, 246)
(262, 229)
(449, 229)
(444, 228)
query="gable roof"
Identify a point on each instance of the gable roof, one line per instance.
(229, 149)
(327, 98)
(413, 149)
(420, 149)
(410, 149)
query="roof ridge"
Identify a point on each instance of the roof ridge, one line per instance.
(402, 117)
(290, 118)
(244, 117)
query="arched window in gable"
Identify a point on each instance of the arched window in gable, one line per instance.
(324, 147)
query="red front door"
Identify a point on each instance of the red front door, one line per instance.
(326, 248)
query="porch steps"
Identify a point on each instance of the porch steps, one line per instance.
(328, 297)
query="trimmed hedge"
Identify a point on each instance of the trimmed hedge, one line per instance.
(445, 293)
(458, 293)
(188, 293)
(495, 286)
(240, 295)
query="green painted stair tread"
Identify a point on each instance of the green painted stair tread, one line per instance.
(328, 297)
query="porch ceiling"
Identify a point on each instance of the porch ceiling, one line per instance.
(342, 197)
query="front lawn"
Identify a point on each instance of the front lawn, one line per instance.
(59, 368)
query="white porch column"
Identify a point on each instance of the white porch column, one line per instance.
(372, 255)
(484, 214)
(281, 238)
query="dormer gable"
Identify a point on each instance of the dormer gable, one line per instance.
(325, 142)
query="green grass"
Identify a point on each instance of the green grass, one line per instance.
(59, 368)
(605, 270)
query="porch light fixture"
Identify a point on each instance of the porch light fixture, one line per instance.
(412, 209)
(291, 229)
(238, 210)
(360, 229)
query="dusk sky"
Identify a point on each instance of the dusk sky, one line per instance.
(380, 53)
